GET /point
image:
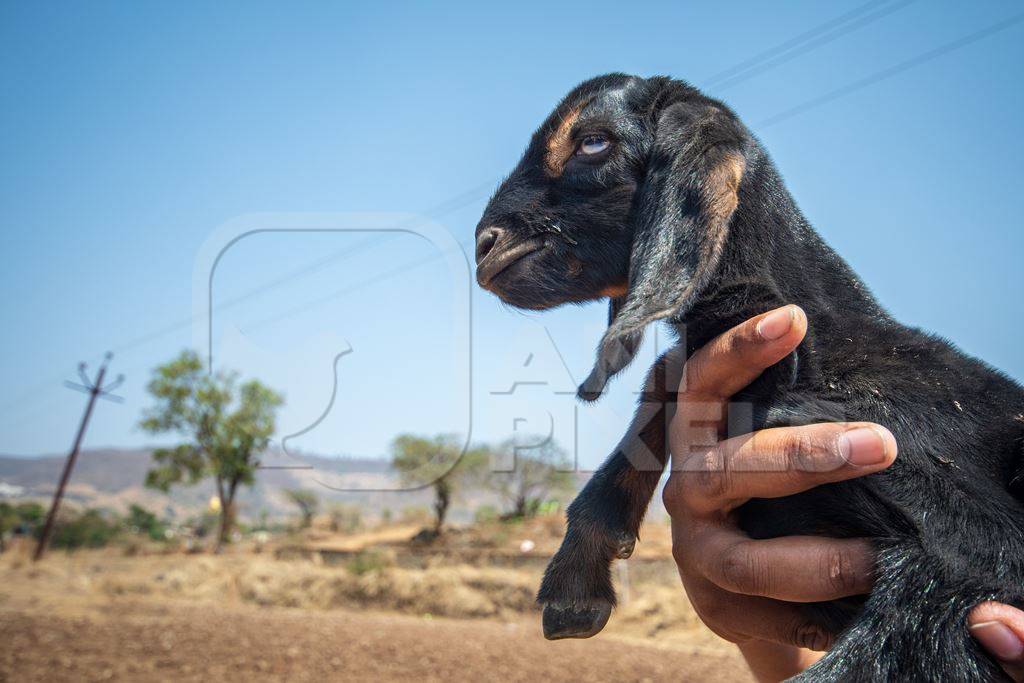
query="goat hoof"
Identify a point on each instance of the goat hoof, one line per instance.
(582, 621)
(624, 544)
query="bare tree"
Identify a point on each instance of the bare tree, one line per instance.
(307, 502)
(439, 462)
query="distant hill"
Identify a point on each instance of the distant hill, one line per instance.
(113, 478)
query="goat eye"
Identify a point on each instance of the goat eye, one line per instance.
(593, 144)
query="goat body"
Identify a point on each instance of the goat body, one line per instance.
(681, 216)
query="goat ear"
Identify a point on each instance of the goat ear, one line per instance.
(612, 354)
(688, 197)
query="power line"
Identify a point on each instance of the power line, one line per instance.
(309, 305)
(749, 68)
(892, 71)
(294, 275)
(763, 61)
(753, 66)
(387, 275)
(791, 43)
(736, 71)
(448, 206)
(791, 49)
(808, 46)
(810, 104)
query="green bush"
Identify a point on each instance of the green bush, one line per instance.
(91, 529)
(141, 521)
(33, 515)
(23, 517)
(370, 560)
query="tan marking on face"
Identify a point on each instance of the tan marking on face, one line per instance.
(614, 290)
(559, 145)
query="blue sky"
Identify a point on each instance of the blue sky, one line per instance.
(131, 133)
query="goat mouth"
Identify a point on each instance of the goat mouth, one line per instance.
(496, 263)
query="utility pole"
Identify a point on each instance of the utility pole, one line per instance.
(95, 389)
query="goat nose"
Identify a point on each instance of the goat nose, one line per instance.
(486, 241)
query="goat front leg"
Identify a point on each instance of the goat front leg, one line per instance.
(604, 519)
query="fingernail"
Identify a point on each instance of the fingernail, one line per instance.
(863, 446)
(999, 640)
(775, 324)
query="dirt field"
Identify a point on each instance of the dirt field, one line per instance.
(146, 641)
(102, 615)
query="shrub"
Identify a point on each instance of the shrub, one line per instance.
(141, 521)
(370, 560)
(23, 518)
(91, 529)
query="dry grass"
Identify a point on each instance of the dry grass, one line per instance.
(460, 591)
(478, 573)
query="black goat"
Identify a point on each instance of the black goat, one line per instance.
(649, 193)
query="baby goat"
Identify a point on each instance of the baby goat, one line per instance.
(657, 197)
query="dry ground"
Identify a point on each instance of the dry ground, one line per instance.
(189, 642)
(101, 615)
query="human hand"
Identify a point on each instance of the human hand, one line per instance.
(744, 589)
(1000, 630)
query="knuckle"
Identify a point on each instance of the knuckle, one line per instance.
(694, 373)
(809, 636)
(727, 347)
(802, 451)
(742, 570)
(842, 578)
(708, 479)
(710, 485)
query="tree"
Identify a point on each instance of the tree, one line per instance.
(306, 501)
(346, 518)
(538, 472)
(225, 426)
(438, 462)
